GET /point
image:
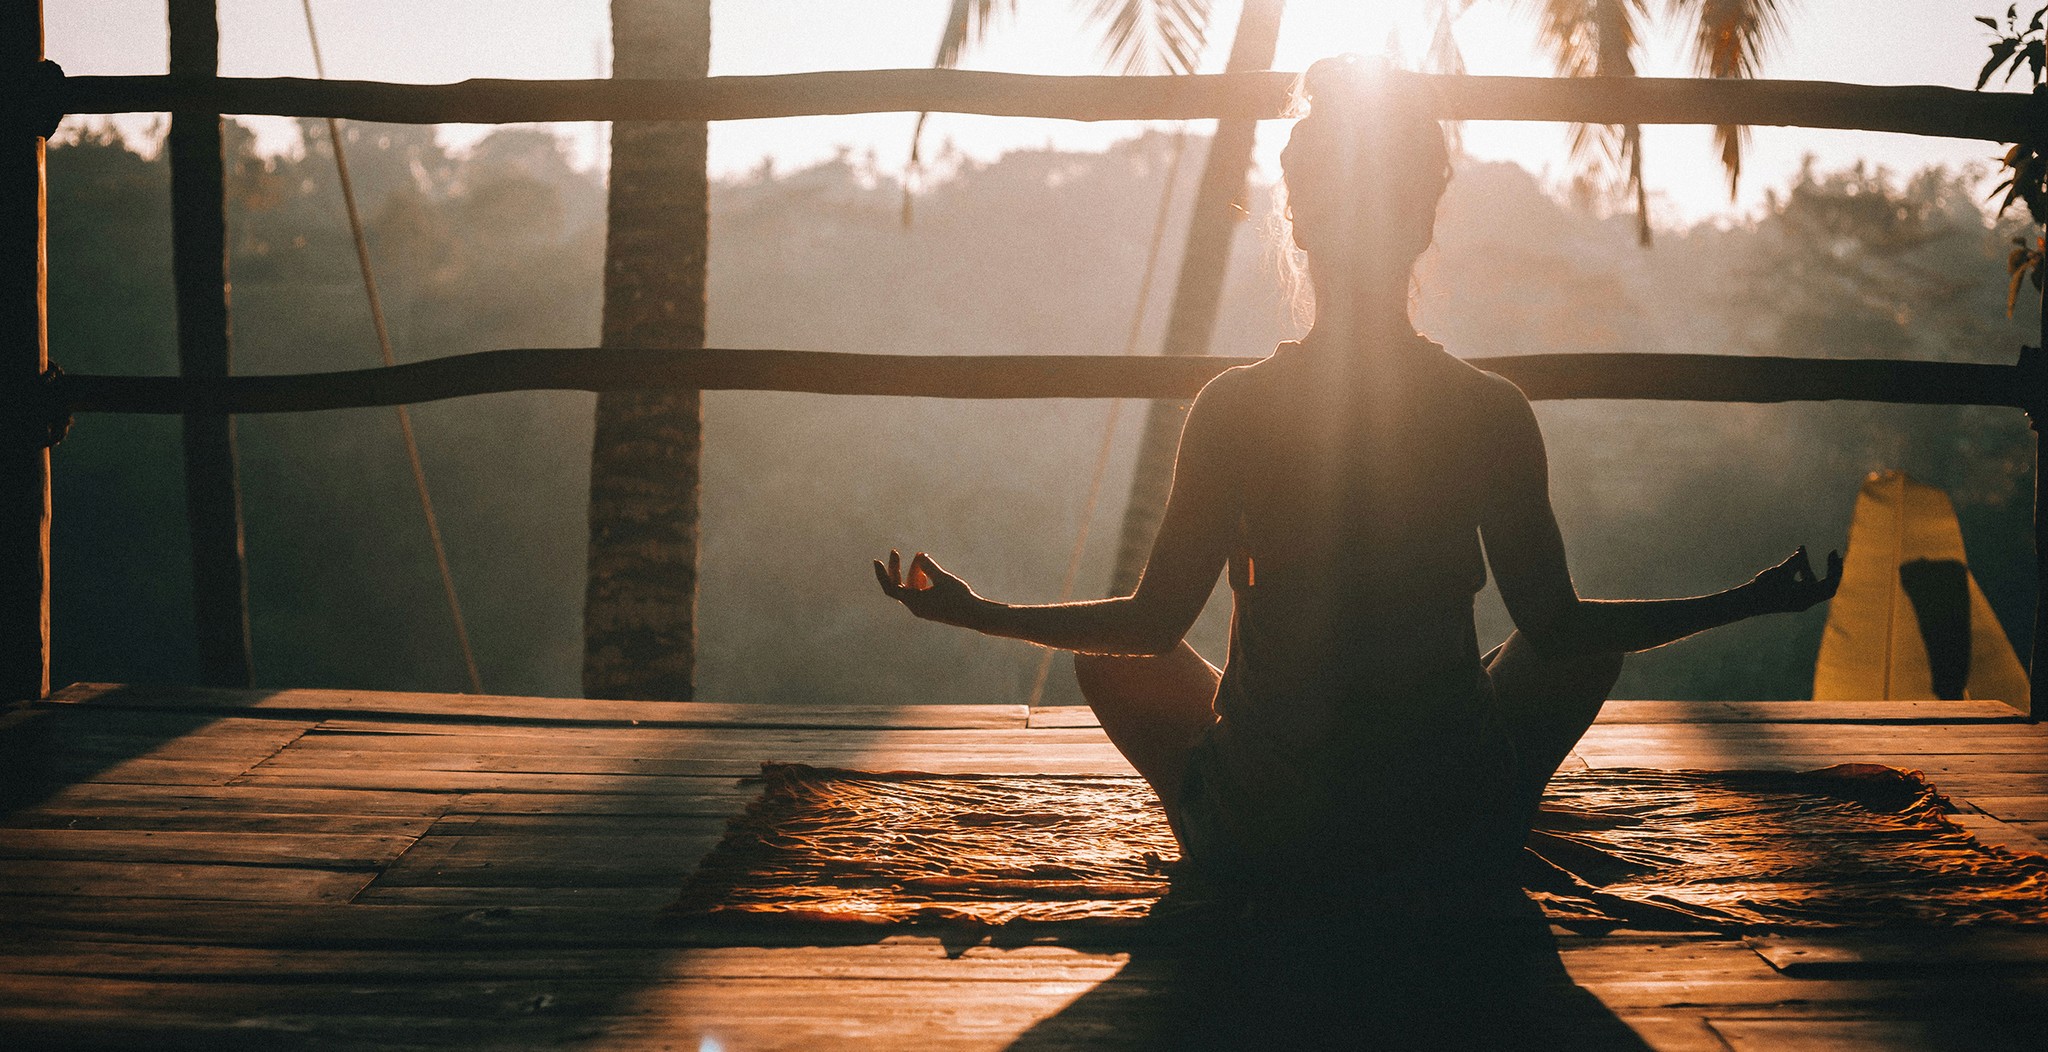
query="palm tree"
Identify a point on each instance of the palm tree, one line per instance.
(640, 610)
(1601, 38)
(1197, 293)
(1154, 36)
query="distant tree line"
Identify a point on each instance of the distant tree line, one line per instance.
(1038, 252)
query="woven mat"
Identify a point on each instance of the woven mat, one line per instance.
(1852, 846)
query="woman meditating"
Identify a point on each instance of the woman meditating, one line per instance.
(1350, 483)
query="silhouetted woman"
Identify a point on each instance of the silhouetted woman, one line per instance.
(1349, 482)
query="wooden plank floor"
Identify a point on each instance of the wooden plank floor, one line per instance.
(331, 869)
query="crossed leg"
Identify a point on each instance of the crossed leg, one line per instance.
(1547, 703)
(1154, 710)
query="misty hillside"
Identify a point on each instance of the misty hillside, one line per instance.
(1041, 252)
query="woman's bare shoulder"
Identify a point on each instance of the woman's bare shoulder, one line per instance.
(1497, 391)
(1241, 381)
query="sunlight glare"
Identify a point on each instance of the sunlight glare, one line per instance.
(1318, 30)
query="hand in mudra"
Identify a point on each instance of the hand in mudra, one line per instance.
(1792, 586)
(928, 591)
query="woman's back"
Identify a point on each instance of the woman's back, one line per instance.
(1360, 501)
(1354, 670)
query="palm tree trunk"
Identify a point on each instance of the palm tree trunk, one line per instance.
(640, 610)
(1196, 294)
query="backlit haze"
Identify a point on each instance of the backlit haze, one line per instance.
(1864, 41)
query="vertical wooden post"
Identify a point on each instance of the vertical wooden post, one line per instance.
(213, 496)
(2037, 662)
(24, 356)
(2034, 362)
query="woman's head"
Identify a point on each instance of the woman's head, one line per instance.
(1364, 170)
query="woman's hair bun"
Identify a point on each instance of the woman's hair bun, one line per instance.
(1359, 107)
(1358, 87)
(1344, 79)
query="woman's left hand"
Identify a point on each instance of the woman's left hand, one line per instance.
(928, 591)
(1792, 585)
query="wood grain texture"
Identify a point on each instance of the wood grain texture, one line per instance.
(487, 708)
(441, 871)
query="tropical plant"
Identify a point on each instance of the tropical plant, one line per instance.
(2026, 169)
(1603, 38)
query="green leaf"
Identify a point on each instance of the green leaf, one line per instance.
(1999, 53)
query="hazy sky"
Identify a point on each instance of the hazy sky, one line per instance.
(1866, 41)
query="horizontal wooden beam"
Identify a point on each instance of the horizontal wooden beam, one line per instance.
(1664, 377)
(1994, 116)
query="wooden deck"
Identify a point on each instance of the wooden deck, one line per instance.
(327, 869)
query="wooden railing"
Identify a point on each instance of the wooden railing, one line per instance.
(37, 403)
(1912, 110)
(1656, 377)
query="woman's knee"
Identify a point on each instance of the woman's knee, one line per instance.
(1595, 669)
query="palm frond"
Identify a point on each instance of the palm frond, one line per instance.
(1444, 55)
(967, 22)
(1589, 38)
(1632, 149)
(1151, 36)
(1599, 38)
(1729, 39)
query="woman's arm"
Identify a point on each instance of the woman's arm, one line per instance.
(1187, 555)
(1526, 552)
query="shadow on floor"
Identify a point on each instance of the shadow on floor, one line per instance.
(1312, 983)
(46, 750)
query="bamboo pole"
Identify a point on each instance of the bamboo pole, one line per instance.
(1659, 377)
(1910, 109)
(24, 356)
(213, 498)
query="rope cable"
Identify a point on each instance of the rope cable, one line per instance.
(412, 448)
(1102, 452)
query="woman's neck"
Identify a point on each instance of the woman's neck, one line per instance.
(1362, 313)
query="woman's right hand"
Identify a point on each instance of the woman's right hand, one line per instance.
(1792, 586)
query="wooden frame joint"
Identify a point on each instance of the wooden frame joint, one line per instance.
(2033, 379)
(41, 415)
(39, 101)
